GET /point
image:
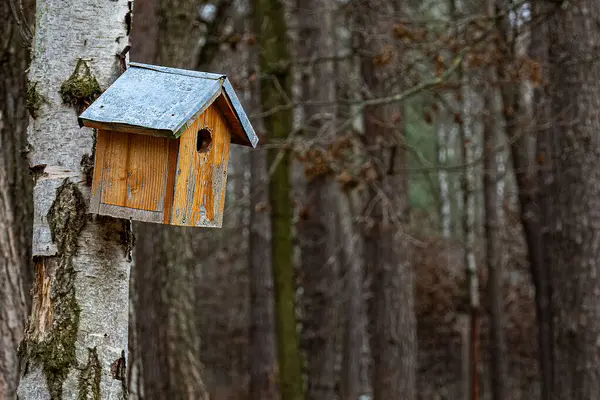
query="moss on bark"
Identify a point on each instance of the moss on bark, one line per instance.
(90, 377)
(82, 87)
(34, 99)
(56, 350)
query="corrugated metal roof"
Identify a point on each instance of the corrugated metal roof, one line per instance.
(162, 101)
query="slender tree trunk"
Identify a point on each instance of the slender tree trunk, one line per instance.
(522, 147)
(354, 326)
(387, 249)
(264, 373)
(498, 366)
(263, 357)
(15, 195)
(570, 175)
(317, 228)
(276, 80)
(76, 338)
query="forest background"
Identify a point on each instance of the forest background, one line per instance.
(419, 221)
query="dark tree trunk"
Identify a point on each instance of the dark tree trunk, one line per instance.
(15, 194)
(317, 227)
(491, 132)
(387, 249)
(569, 151)
(264, 374)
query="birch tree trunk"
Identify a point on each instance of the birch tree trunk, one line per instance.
(76, 339)
(317, 229)
(15, 194)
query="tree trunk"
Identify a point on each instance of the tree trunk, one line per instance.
(264, 373)
(387, 249)
(442, 156)
(351, 387)
(317, 227)
(569, 151)
(76, 339)
(498, 367)
(522, 147)
(15, 195)
(275, 65)
(263, 357)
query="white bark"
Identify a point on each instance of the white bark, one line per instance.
(83, 261)
(445, 201)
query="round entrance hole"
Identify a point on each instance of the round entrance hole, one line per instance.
(204, 141)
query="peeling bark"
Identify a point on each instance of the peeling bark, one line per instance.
(78, 323)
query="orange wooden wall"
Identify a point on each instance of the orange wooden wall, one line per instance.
(201, 178)
(163, 180)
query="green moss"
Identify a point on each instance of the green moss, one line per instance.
(81, 89)
(56, 352)
(34, 99)
(90, 377)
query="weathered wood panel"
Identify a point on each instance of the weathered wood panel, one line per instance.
(202, 177)
(132, 171)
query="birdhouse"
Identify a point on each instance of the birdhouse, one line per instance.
(163, 144)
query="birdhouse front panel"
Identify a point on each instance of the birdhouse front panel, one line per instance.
(163, 143)
(132, 174)
(202, 171)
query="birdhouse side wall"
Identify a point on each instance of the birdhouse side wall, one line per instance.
(201, 176)
(132, 174)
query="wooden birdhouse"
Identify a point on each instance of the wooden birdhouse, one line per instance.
(163, 145)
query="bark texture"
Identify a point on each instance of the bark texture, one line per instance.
(276, 80)
(569, 175)
(264, 371)
(76, 339)
(263, 356)
(317, 226)
(15, 193)
(387, 247)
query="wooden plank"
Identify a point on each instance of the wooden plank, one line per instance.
(170, 182)
(125, 128)
(130, 213)
(114, 176)
(202, 177)
(236, 129)
(99, 161)
(147, 161)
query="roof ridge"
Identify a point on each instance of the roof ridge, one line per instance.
(179, 71)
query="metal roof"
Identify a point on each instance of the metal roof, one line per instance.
(163, 101)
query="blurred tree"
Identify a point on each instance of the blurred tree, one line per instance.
(569, 157)
(264, 370)
(387, 247)
(317, 225)
(276, 80)
(491, 133)
(76, 338)
(15, 191)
